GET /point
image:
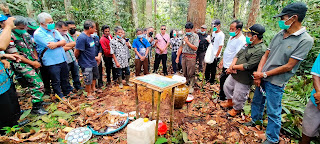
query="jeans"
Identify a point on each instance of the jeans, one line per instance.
(163, 58)
(274, 108)
(223, 78)
(59, 75)
(45, 79)
(119, 71)
(176, 66)
(211, 70)
(74, 69)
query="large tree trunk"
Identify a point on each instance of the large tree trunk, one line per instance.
(155, 16)
(134, 13)
(236, 8)
(44, 5)
(255, 6)
(149, 12)
(116, 13)
(197, 12)
(67, 7)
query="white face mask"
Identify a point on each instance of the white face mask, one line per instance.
(94, 34)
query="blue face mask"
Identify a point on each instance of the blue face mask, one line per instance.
(248, 40)
(232, 34)
(51, 26)
(215, 29)
(174, 34)
(140, 36)
(188, 33)
(282, 24)
(203, 32)
(119, 37)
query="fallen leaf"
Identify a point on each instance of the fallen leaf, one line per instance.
(211, 123)
(36, 136)
(63, 122)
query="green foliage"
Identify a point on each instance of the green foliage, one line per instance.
(25, 114)
(10, 130)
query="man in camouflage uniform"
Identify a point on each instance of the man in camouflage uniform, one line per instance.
(28, 68)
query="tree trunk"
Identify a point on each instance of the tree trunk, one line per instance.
(255, 6)
(67, 7)
(44, 5)
(29, 8)
(115, 4)
(155, 16)
(134, 13)
(197, 12)
(170, 9)
(236, 8)
(148, 12)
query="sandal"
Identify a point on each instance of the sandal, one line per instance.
(91, 97)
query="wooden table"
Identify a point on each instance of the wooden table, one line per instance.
(156, 83)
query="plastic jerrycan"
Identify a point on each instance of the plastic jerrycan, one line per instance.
(141, 131)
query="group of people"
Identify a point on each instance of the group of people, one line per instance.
(43, 56)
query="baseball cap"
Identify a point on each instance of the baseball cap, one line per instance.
(204, 26)
(294, 8)
(3, 17)
(32, 23)
(256, 29)
(215, 22)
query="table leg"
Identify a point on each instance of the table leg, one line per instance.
(157, 120)
(152, 116)
(137, 101)
(172, 110)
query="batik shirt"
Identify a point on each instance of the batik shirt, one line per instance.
(175, 44)
(119, 49)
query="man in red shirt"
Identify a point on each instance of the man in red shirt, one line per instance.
(105, 41)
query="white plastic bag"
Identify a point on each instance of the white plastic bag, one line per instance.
(210, 54)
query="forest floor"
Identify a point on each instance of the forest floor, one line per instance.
(201, 121)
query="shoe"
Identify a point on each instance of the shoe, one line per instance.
(38, 109)
(120, 82)
(250, 124)
(46, 103)
(233, 112)
(127, 80)
(24, 122)
(227, 104)
(191, 89)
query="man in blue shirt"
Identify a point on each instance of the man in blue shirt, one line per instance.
(311, 116)
(98, 54)
(52, 55)
(141, 48)
(85, 53)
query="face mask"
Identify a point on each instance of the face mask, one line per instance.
(248, 40)
(140, 36)
(51, 26)
(119, 37)
(174, 34)
(150, 34)
(188, 33)
(215, 29)
(94, 34)
(72, 31)
(203, 32)
(232, 34)
(20, 32)
(31, 31)
(282, 24)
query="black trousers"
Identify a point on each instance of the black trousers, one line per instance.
(100, 80)
(161, 58)
(45, 78)
(109, 67)
(223, 78)
(211, 70)
(9, 109)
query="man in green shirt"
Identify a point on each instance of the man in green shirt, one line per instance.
(237, 85)
(22, 44)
